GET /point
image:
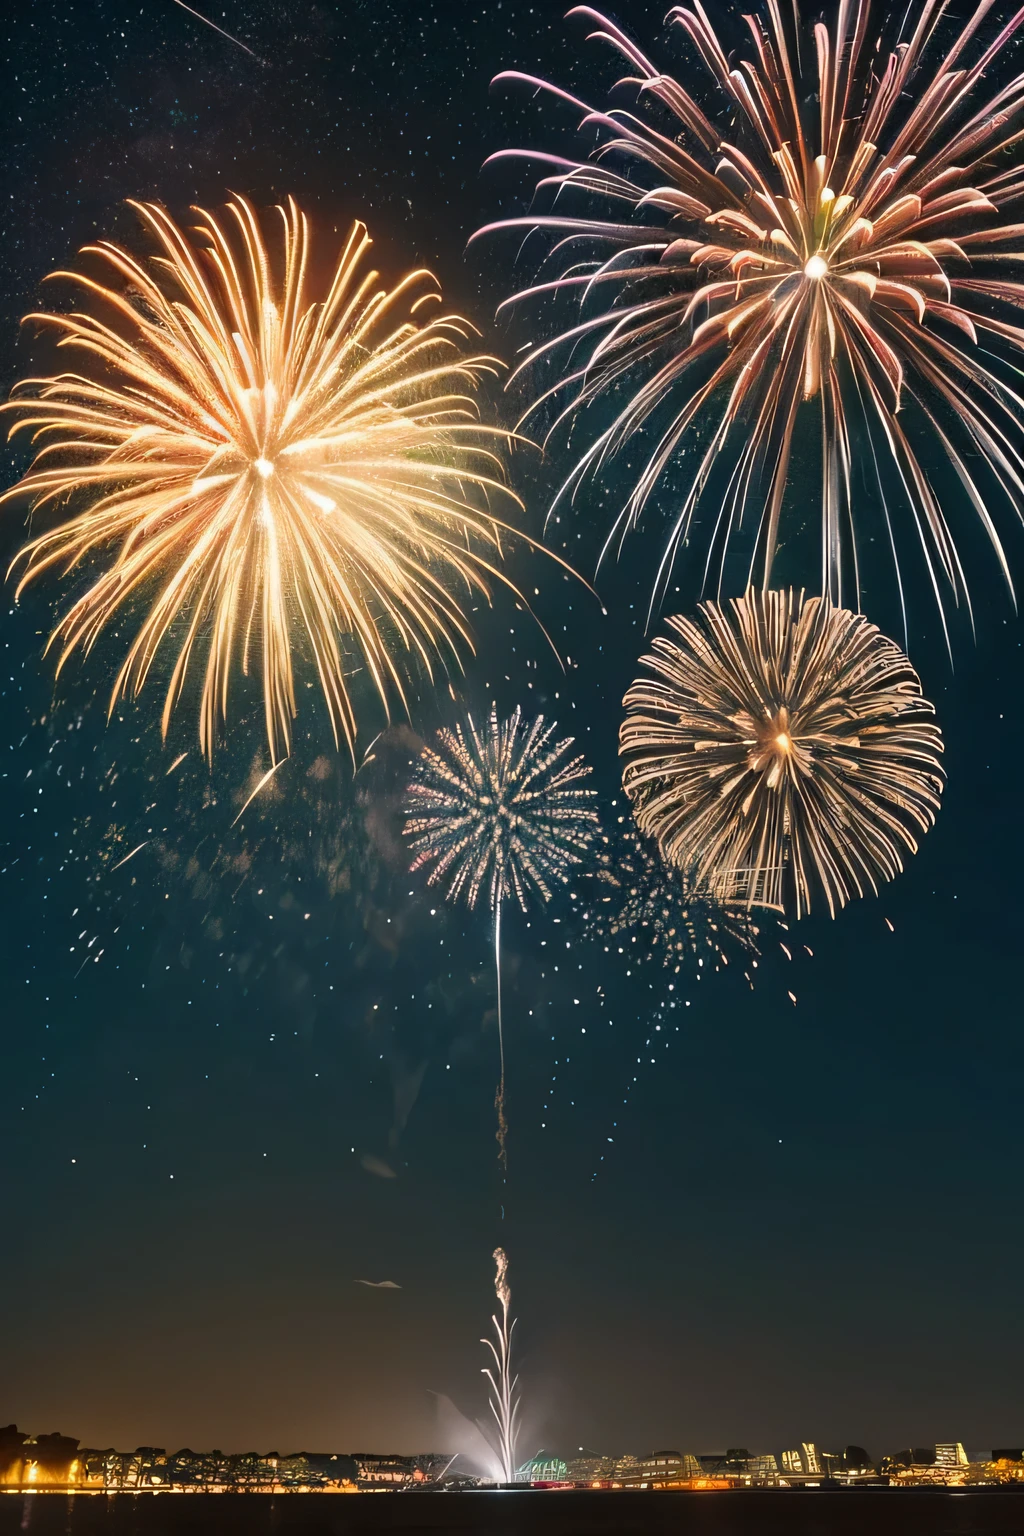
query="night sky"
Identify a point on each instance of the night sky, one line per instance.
(256, 1063)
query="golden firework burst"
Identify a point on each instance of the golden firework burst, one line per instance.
(781, 750)
(272, 474)
(858, 257)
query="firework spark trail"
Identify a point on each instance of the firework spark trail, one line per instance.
(271, 474)
(262, 782)
(781, 751)
(504, 1395)
(499, 811)
(732, 273)
(499, 1098)
(659, 919)
(137, 849)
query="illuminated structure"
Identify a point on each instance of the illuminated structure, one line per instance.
(545, 1467)
(741, 1468)
(588, 1469)
(38, 1461)
(663, 1469)
(55, 1463)
(803, 1460)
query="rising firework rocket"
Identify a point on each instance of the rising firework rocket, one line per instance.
(504, 1396)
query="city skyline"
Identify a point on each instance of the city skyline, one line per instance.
(54, 1461)
(247, 1106)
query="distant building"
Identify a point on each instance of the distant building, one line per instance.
(590, 1468)
(152, 1469)
(39, 1461)
(812, 1466)
(658, 1470)
(935, 1466)
(545, 1467)
(916, 1456)
(805, 1461)
(975, 1473)
(663, 1469)
(394, 1471)
(1002, 1468)
(662, 1464)
(741, 1468)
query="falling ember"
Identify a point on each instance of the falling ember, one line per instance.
(653, 910)
(834, 812)
(840, 243)
(268, 475)
(504, 1395)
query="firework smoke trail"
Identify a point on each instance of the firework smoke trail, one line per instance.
(504, 1397)
(499, 1098)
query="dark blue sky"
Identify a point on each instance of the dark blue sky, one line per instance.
(807, 1223)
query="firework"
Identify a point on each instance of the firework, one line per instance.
(730, 270)
(653, 911)
(780, 750)
(267, 474)
(500, 812)
(504, 1398)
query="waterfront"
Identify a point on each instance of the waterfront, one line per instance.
(885, 1512)
(755, 1165)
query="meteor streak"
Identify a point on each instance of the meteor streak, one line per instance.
(200, 17)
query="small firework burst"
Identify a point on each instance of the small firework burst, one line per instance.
(500, 811)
